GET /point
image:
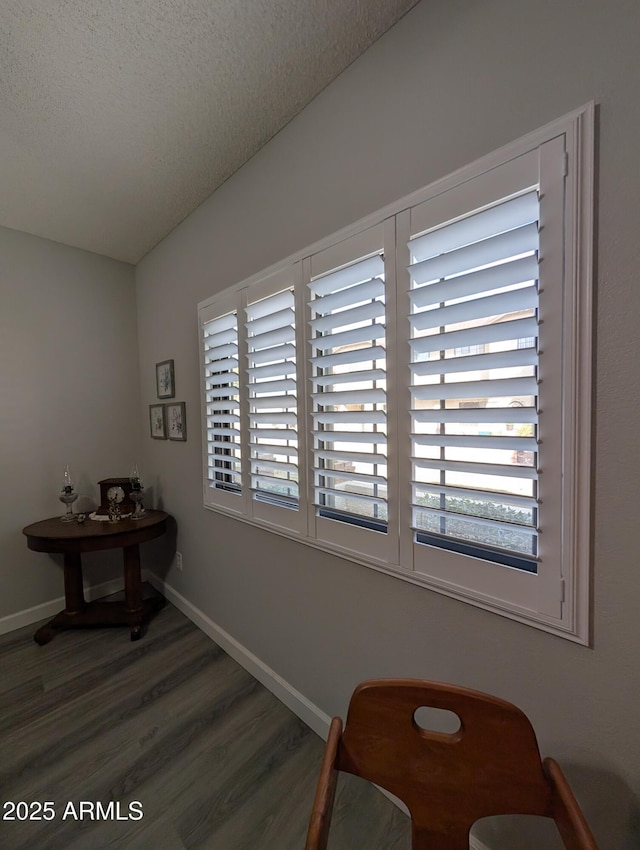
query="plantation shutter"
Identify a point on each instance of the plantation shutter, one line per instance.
(349, 393)
(222, 401)
(273, 403)
(474, 391)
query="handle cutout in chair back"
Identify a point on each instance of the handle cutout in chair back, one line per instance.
(429, 719)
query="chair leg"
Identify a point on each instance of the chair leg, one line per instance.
(567, 813)
(320, 822)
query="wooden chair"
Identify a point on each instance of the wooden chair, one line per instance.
(490, 766)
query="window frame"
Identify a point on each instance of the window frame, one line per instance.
(378, 547)
(230, 500)
(455, 566)
(558, 596)
(264, 511)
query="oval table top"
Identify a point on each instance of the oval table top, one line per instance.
(53, 535)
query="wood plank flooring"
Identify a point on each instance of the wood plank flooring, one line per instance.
(171, 721)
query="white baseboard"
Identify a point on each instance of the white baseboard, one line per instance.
(51, 608)
(286, 693)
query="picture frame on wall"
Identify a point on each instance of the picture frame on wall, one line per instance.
(176, 420)
(157, 422)
(165, 379)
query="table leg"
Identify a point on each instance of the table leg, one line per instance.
(133, 589)
(73, 590)
(140, 604)
(75, 605)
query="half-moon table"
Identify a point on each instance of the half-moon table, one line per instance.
(71, 539)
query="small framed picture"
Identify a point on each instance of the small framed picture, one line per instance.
(176, 418)
(165, 381)
(157, 422)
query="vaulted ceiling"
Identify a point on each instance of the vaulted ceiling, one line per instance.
(119, 117)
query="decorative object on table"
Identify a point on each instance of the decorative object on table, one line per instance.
(165, 381)
(115, 491)
(68, 495)
(157, 422)
(137, 492)
(176, 417)
(115, 495)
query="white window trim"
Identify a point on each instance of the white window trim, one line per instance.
(574, 580)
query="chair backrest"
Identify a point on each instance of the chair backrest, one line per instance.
(490, 766)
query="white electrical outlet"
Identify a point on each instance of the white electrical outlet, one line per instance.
(179, 561)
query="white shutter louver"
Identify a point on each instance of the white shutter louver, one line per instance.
(474, 342)
(349, 393)
(273, 403)
(222, 403)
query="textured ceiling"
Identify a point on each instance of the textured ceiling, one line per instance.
(119, 117)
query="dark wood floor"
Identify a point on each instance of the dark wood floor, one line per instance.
(214, 759)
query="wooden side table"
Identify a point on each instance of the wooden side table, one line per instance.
(72, 539)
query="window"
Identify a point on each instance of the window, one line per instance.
(348, 334)
(222, 403)
(349, 392)
(414, 393)
(474, 284)
(273, 403)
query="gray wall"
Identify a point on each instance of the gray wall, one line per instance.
(451, 82)
(69, 393)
